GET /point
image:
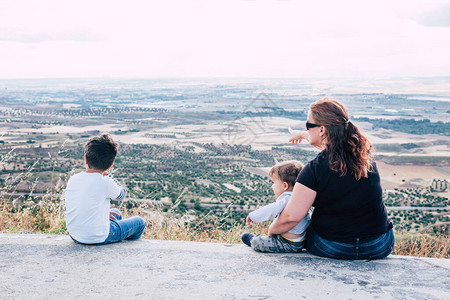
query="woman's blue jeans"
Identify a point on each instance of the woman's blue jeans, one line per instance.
(379, 247)
(121, 229)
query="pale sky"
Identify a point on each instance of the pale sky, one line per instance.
(227, 38)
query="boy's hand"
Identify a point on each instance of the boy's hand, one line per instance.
(249, 221)
(112, 214)
(297, 136)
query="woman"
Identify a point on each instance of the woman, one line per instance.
(343, 185)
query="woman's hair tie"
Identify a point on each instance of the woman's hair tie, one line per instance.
(346, 122)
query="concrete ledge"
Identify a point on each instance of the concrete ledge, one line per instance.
(52, 266)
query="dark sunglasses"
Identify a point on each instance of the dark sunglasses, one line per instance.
(311, 125)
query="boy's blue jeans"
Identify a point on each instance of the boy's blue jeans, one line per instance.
(121, 229)
(379, 247)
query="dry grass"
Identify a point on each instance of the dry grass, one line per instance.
(424, 245)
(44, 217)
(163, 226)
(47, 216)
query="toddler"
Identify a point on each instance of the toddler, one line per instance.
(283, 176)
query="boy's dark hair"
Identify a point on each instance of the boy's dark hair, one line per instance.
(100, 152)
(287, 171)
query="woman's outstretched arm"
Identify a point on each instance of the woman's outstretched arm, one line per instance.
(301, 201)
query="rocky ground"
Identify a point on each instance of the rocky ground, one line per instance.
(52, 266)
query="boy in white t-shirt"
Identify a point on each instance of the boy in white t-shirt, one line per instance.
(283, 176)
(89, 217)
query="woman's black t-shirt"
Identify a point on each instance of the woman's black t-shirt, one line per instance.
(344, 208)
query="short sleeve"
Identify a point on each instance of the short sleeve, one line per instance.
(308, 177)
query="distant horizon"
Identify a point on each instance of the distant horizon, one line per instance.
(436, 88)
(232, 77)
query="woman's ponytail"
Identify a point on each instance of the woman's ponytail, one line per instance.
(348, 149)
